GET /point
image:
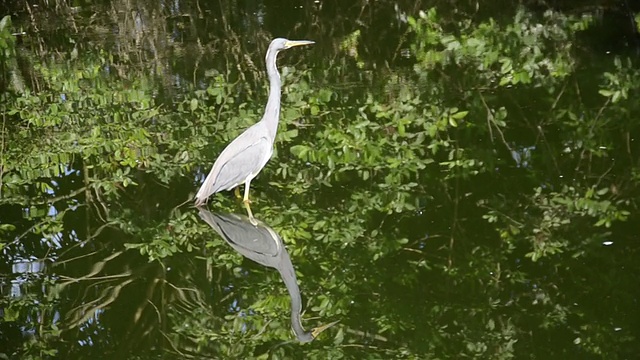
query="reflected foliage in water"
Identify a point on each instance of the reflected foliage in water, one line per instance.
(449, 183)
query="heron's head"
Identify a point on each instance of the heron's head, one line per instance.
(283, 44)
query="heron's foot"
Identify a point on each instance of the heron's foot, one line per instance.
(250, 213)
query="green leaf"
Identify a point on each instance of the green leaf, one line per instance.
(615, 97)
(606, 93)
(460, 115)
(300, 151)
(401, 129)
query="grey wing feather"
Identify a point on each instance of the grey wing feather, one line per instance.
(238, 161)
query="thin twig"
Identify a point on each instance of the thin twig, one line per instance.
(555, 102)
(61, 197)
(366, 334)
(605, 174)
(493, 120)
(4, 115)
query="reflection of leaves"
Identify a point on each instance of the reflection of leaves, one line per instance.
(403, 191)
(350, 45)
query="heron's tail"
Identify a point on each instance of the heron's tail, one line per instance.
(208, 187)
(200, 201)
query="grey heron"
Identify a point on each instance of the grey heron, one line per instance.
(247, 154)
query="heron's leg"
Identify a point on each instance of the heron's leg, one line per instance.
(247, 185)
(246, 201)
(237, 192)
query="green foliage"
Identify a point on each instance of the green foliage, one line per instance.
(506, 55)
(36, 315)
(438, 211)
(620, 82)
(7, 41)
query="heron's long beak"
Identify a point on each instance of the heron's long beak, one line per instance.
(292, 43)
(316, 331)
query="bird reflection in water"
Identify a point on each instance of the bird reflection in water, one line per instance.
(258, 242)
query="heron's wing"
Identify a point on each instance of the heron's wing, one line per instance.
(237, 167)
(258, 243)
(243, 158)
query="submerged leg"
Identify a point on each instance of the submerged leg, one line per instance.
(250, 214)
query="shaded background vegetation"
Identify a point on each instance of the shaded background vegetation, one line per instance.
(450, 180)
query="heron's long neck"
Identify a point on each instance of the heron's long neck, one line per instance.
(289, 277)
(272, 110)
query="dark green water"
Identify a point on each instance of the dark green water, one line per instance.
(447, 182)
